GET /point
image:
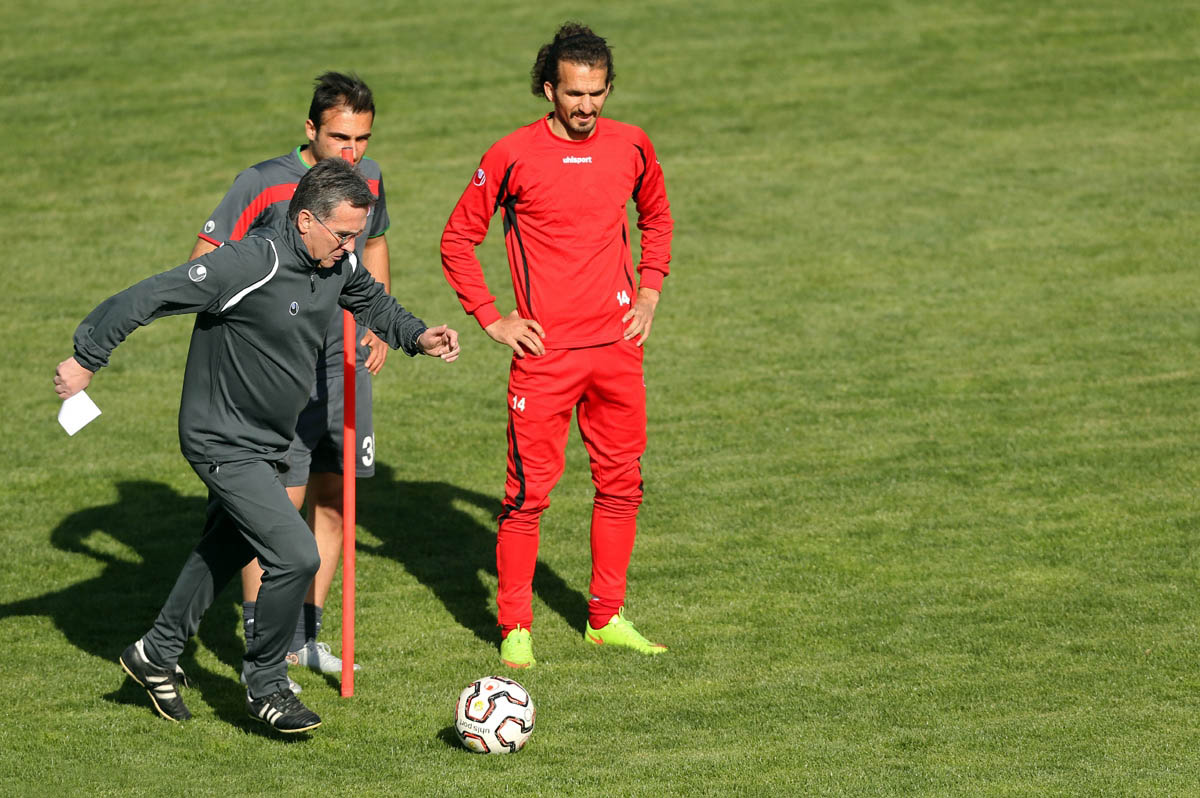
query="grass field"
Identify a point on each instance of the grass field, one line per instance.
(920, 516)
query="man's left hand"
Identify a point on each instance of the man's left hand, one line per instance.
(378, 353)
(641, 315)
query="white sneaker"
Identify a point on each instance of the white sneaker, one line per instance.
(317, 656)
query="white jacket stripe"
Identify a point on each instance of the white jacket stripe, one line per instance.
(240, 295)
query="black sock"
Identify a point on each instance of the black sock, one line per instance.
(308, 626)
(312, 620)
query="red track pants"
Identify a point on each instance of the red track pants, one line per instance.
(604, 386)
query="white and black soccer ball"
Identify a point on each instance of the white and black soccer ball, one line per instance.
(494, 715)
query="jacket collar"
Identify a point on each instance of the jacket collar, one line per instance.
(295, 243)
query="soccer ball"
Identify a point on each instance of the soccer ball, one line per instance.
(494, 715)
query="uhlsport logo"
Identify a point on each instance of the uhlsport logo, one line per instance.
(577, 159)
(480, 177)
(209, 226)
(294, 308)
(197, 272)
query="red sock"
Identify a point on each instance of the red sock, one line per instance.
(601, 611)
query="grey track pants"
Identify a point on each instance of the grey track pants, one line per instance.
(249, 515)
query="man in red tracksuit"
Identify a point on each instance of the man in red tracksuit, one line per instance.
(562, 184)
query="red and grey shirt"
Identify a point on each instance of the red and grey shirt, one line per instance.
(565, 229)
(261, 194)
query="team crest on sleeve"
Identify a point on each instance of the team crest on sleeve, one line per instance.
(480, 177)
(197, 272)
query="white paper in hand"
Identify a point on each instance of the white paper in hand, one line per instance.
(77, 412)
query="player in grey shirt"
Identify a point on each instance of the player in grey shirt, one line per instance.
(262, 307)
(340, 118)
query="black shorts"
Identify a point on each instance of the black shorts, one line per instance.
(317, 447)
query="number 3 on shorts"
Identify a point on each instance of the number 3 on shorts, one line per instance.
(368, 447)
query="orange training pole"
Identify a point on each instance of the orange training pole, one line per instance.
(349, 472)
(349, 452)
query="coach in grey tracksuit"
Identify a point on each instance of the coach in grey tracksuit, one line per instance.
(262, 305)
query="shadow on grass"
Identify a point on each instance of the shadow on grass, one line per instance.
(141, 540)
(422, 527)
(155, 528)
(225, 696)
(449, 738)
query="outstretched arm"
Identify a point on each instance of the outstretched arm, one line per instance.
(70, 378)
(190, 288)
(440, 341)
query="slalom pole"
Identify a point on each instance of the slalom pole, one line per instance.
(349, 453)
(349, 474)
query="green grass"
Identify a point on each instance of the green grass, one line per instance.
(920, 515)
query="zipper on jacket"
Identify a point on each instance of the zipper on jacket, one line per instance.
(312, 281)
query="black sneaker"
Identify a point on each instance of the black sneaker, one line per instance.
(284, 711)
(161, 684)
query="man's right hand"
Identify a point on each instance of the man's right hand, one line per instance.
(520, 335)
(70, 378)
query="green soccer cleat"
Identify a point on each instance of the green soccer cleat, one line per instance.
(620, 632)
(516, 650)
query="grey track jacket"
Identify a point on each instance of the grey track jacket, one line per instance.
(262, 307)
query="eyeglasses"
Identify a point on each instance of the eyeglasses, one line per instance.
(342, 238)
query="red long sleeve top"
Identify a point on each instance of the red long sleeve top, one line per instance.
(565, 229)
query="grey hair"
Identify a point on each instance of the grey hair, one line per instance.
(326, 186)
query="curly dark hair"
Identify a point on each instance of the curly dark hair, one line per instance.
(335, 88)
(574, 43)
